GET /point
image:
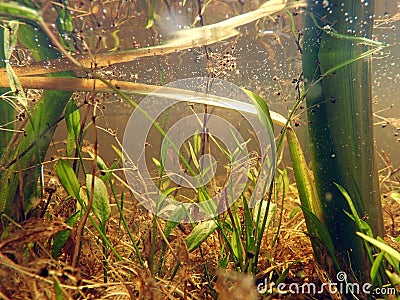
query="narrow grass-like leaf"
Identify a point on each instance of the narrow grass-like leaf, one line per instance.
(285, 272)
(72, 119)
(374, 273)
(249, 226)
(58, 289)
(199, 233)
(319, 231)
(236, 246)
(99, 161)
(260, 213)
(393, 277)
(353, 209)
(68, 179)
(194, 158)
(262, 109)
(381, 246)
(391, 260)
(294, 212)
(101, 204)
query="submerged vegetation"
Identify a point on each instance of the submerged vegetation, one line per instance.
(73, 225)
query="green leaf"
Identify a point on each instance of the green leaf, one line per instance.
(200, 233)
(393, 277)
(395, 196)
(374, 273)
(264, 214)
(65, 27)
(381, 245)
(236, 245)
(57, 289)
(99, 161)
(391, 260)
(197, 143)
(72, 119)
(101, 204)
(62, 236)
(223, 263)
(262, 109)
(16, 10)
(318, 230)
(68, 179)
(178, 214)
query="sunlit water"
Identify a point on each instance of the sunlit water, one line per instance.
(266, 53)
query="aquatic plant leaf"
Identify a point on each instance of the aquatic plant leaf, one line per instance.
(65, 27)
(374, 273)
(101, 204)
(199, 233)
(62, 236)
(10, 42)
(260, 213)
(57, 289)
(305, 184)
(72, 119)
(262, 109)
(318, 230)
(68, 179)
(178, 214)
(17, 10)
(381, 245)
(393, 277)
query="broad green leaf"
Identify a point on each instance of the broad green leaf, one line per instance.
(68, 178)
(200, 233)
(65, 27)
(101, 204)
(17, 10)
(10, 42)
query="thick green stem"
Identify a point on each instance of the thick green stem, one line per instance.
(340, 122)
